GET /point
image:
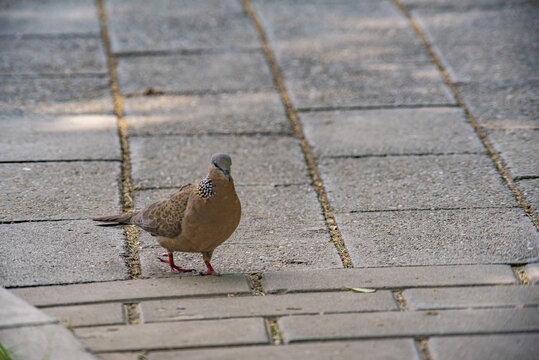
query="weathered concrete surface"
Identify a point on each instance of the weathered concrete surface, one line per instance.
(88, 315)
(270, 305)
(257, 112)
(256, 160)
(403, 349)
(61, 137)
(215, 24)
(183, 335)
(73, 95)
(495, 347)
(58, 252)
(134, 290)
(414, 182)
(16, 312)
(439, 237)
(519, 149)
(195, 73)
(47, 191)
(395, 131)
(474, 297)
(414, 276)
(417, 323)
(55, 55)
(48, 17)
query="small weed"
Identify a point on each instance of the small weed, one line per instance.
(4, 353)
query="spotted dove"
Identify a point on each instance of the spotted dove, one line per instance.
(196, 218)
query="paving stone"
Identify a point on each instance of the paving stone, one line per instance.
(88, 315)
(48, 17)
(43, 342)
(15, 312)
(485, 44)
(183, 334)
(313, 84)
(261, 241)
(387, 277)
(439, 237)
(471, 297)
(59, 252)
(413, 182)
(492, 347)
(403, 349)
(503, 105)
(256, 160)
(54, 55)
(460, 4)
(532, 273)
(270, 305)
(195, 73)
(45, 191)
(134, 290)
(67, 137)
(395, 131)
(416, 323)
(260, 112)
(519, 149)
(73, 95)
(314, 46)
(179, 25)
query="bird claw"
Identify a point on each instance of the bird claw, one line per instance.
(175, 268)
(209, 272)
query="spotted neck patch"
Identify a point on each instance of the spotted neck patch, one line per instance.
(204, 188)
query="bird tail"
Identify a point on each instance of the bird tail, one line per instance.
(114, 220)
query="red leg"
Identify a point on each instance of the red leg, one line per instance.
(173, 267)
(210, 270)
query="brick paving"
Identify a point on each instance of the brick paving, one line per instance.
(386, 145)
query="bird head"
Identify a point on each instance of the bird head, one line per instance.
(220, 165)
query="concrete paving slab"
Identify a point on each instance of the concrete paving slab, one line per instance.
(503, 46)
(519, 149)
(313, 84)
(395, 131)
(45, 191)
(460, 4)
(439, 237)
(239, 71)
(73, 95)
(503, 105)
(403, 349)
(52, 55)
(471, 297)
(402, 324)
(64, 137)
(43, 342)
(59, 252)
(414, 182)
(492, 347)
(246, 257)
(48, 17)
(256, 160)
(259, 112)
(215, 24)
(387, 277)
(134, 290)
(532, 273)
(88, 315)
(270, 305)
(183, 334)
(15, 312)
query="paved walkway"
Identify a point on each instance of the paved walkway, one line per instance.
(386, 145)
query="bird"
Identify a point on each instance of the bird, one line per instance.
(196, 218)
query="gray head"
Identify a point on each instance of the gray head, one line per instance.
(222, 163)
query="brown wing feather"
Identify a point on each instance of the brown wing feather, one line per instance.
(164, 218)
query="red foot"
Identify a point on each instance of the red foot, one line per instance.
(210, 270)
(173, 267)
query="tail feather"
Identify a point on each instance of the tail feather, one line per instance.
(114, 220)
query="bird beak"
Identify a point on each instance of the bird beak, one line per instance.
(227, 174)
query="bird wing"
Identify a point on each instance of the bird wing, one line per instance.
(164, 218)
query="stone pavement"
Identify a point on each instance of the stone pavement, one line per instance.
(388, 145)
